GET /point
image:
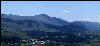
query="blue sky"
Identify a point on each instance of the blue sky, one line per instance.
(67, 10)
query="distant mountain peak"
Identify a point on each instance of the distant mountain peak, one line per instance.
(43, 15)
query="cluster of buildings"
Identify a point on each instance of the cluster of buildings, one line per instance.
(36, 42)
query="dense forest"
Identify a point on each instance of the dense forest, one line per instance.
(24, 30)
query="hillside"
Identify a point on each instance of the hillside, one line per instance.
(16, 28)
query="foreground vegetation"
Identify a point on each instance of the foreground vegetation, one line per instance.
(25, 33)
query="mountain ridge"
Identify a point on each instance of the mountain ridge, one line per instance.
(44, 18)
(41, 18)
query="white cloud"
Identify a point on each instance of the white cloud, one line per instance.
(98, 16)
(66, 11)
(98, 20)
(85, 19)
